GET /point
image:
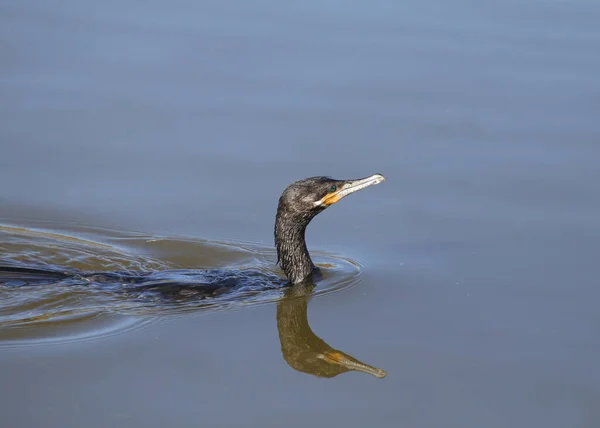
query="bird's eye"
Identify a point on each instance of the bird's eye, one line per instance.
(333, 188)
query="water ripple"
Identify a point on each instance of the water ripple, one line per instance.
(120, 281)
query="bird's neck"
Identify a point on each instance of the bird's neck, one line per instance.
(291, 246)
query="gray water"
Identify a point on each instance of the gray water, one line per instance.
(478, 286)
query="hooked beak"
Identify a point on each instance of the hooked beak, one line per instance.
(337, 357)
(350, 186)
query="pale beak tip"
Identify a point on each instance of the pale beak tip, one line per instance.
(378, 177)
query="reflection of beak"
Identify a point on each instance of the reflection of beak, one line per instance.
(337, 357)
(350, 186)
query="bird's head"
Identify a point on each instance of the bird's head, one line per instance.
(306, 198)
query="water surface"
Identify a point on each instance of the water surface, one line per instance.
(478, 283)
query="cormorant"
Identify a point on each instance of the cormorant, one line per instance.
(298, 205)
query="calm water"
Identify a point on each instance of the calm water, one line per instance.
(473, 269)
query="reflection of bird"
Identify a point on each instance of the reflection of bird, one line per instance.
(302, 349)
(298, 204)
